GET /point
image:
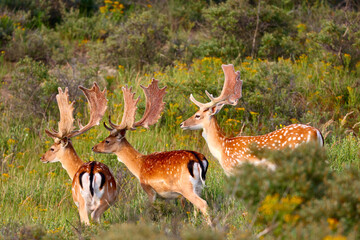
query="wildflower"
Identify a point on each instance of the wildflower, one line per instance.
(2, 52)
(333, 222)
(339, 97)
(240, 109)
(294, 120)
(254, 113)
(149, 6)
(11, 141)
(103, 9)
(357, 65)
(5, 175)
(336, 237)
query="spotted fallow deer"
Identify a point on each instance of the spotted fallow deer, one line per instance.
(232, 152)
(168, 174)
(93, 185)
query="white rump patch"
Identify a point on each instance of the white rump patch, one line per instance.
(196, 181)
(319, 137)
(85, 190)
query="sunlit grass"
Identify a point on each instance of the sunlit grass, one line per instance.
(39, 194)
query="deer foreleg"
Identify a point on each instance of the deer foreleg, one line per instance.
(150, 192)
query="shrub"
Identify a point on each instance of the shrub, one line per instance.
(27, 43)
(78, 27)
(303, 190)
(232, 26)
(138, 42)
(6, 29)
(32, 88)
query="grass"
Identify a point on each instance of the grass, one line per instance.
(36, 197)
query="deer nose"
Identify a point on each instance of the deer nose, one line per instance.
(92, 148)
(181, 124)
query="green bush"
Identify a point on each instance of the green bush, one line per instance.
(78, 27)
(140, 41)
(32, 88)
(28, 43)
(303, 190)
(232, 26)
(6, 29)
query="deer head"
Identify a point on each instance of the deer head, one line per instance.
(154, 107)
(97, 103)
(230, 94)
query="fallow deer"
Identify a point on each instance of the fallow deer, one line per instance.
(168, 174)
(93, 185)
(232, 152)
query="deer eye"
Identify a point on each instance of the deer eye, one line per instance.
(107, 141)
(197, 116)
(51, 149)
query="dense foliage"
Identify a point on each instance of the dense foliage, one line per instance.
(300, 63)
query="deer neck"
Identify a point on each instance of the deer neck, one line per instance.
(214, 138)
(128, 155)
(70, 161)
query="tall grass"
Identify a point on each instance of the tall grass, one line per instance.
(36, 197)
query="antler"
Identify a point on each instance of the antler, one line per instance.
(154, 106)
(97, 103)
(230, 93)
(66, 109)
(128, 119)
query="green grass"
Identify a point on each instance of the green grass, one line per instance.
(36, 197)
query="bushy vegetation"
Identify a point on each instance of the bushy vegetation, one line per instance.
(300, 63)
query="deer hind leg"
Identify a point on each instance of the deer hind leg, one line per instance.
(198, 203)
(149, 191)
(96, 214)
(84, 218)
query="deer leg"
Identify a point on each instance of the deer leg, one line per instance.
(150, 192)
(182, 201)
(198, 203)
(84, 218)
(96, 214)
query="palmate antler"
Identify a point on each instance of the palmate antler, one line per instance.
(97, 103)
(154, 106)
(230, 94)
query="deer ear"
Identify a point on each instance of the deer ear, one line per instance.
(64, 142)
(215, 109)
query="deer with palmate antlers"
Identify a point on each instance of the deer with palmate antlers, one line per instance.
(232, 152)
(168, 174)
(93, 185)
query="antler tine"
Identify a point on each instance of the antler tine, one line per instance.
(98, 105)
(154, 104)
(65, 125)
(196, 102)
(209, 95)
(230, 93)
(128, 118)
